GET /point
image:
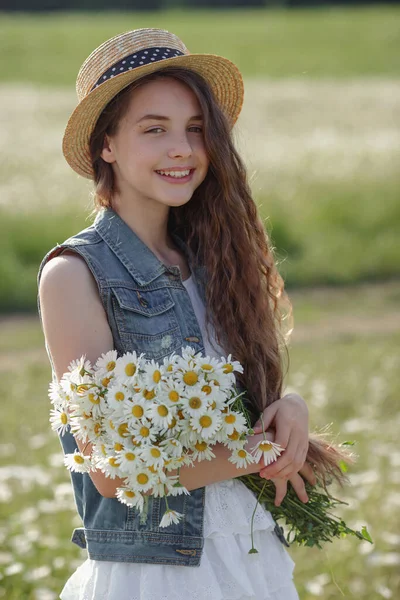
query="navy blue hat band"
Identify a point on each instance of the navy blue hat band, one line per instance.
(143, 57)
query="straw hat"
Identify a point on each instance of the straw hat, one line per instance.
(127, 57)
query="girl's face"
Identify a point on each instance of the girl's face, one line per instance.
(158, 151)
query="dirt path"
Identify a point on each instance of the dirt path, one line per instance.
(332, 327)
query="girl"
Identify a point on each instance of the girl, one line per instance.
(176, 256)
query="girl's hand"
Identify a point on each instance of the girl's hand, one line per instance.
(289, 417)
(297, 484)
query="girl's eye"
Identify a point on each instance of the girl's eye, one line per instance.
(155, 130)
(198, 129)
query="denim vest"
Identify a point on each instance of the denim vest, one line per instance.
(148, 310)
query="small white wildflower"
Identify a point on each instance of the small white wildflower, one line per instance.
(266, 449)
(78, 462)
(170, 516)
(241, 458)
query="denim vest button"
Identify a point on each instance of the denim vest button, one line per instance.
(192, 338)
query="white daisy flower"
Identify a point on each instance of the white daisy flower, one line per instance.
(195, 402)
(189, 354)
(175, 487)
(57, 395)
(268, 450)
(180, 461)
(136, 409)
(172, 447)
(169, 363)
(127, 368)
(206, 424)
(153, 455)
(162, 414)
(110, 465)
(232, 420)
(142, 479)
(202, 451)
(240, 457)
(152, 375)
(128, 459)
(59, 420)
(103, 379)
(130, 497)
(231, 365)
(80, 365)
(107, 362)
(95, 429)
(209, 364)
(78, 462)
(117, 428)
(144, 431)
(117, 396)
(68, 386)
(170, 516)
(171, 391)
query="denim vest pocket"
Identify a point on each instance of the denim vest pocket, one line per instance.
(146, 320)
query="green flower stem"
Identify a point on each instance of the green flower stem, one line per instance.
(253, 550)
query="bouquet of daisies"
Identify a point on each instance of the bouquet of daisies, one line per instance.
(146, 420)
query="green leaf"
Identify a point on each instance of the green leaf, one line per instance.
(343, 466)
(366, 535)
(348, 443)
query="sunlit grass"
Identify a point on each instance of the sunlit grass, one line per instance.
(339, 42)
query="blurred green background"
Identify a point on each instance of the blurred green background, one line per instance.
(320, 135)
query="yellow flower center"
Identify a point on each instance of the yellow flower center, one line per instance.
(195, 402)
(137, 411)
(155, 452)
(119, 396)
(162, 410)
(156, 376)
(180, 414)
(152, 469)
(78, 459)
(97, 428)
(205, 421)
(81, 389)
(172, 424)
(265, 446)
(200, 446)
(111, 424)
(130, 494)
(169, 368)
(118, 446)
(110, 366)
(149, 394)
(123, 429)
(130, 456)
(87, 416)
(207, 367)
(230, 418)
(242, 453)
(113, 462)
(190, 378)
(144, 431)
(227, 368)
(103, 449)
(105, 381)
(64, 418)
(234, 435)
(94, 399)
(206, 389)
(173, 396)
(130, 369)
(142, 478)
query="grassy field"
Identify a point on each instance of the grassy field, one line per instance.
(332, 42)
(318, 132)
(344, 361)
(323, 162)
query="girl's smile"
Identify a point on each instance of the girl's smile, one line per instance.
(176, 174)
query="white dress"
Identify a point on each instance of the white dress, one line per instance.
(226, 570)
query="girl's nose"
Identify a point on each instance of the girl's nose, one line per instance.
(181, 148)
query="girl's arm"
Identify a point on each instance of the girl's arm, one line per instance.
(75, 324)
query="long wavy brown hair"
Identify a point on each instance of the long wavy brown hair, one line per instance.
(245, 295)
(222, 227)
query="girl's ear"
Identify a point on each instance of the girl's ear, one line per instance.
(107, 154)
